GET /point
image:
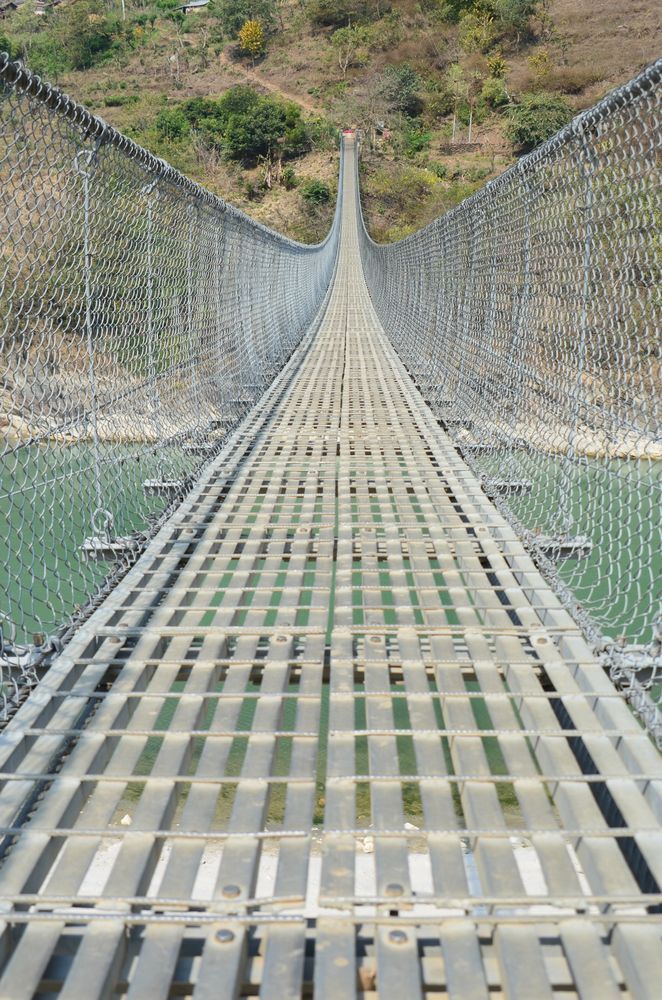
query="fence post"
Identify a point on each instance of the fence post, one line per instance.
(587, 164)
(191, 212)
(102, 520)
(149, 192)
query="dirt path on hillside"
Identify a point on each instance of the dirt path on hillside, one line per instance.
(252, 76)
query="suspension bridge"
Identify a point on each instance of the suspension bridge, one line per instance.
(330, 647)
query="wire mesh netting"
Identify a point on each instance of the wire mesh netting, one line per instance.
(529, 317)
(140, 318)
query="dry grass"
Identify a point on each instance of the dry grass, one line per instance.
(595, 45)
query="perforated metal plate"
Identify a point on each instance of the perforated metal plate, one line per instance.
(332, 735)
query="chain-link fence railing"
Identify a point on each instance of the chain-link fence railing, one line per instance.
(528, 317)
(140, 317)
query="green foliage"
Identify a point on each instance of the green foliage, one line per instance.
(288, 178)
(169, 12)
(76, 35)
(401, 88)
(172, 124)
(209, 117)
(351, 46)
(536, 117)
(494, 93)
(475, 173)
(323, 134)
(339, 13)
(255, 134)
(252, 192)
(241, 124)
(315, 192)
(399, 190)
(85, 31)
(439, 170)
(513, 16)
(237, 101)
(416, 140)
(476, 112)
(6, 45)
(233, 14)
(297, 139)
(497, 66)
(251, 38)
(477, 31)
(439, 103)
(482, 22)
(452, 10)
(120, 100)
(387, 32)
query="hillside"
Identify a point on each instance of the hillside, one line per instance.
(446, 90)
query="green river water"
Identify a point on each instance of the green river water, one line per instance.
(47, 500)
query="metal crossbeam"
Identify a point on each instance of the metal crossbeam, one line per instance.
(333, 734)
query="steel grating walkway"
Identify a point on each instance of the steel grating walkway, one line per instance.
(332, 735)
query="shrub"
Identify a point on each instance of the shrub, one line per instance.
(416, 141)
(210, 116)
(252, 192)
(316, 192)
(452, 10)
(536, 118)
(288, 178)
(497, 66)
(6, 45)
(477, 31)
(242, 124)
(399, 190)
(513, 16)
(401, 86)
(120, 100)
(572, 79)
(439, 104)
(439, 170)
(494, 93)
(476, 173)
(172, 124)
(234, 13)
(339, 13)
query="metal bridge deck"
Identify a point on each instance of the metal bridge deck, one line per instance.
(333, 734)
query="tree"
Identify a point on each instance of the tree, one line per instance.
(350, 44)
(450, 10)
(209, 117)
(537, 117)
(401, 89)
(366, 106)
(473, 90)
(458, 87)
(233, 14)
(256, 134)
(477, 30)
(336, 13)
(251, 39)
(84, 31)
(513, 16)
